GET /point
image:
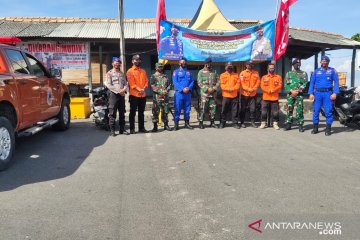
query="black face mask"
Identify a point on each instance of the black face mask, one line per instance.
(296, 67)
(209, 66)
(271, 70)
(183, 65)
(230, 69)
(160, 70)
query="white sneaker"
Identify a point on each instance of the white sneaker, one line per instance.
(276, 126)
(262, 125)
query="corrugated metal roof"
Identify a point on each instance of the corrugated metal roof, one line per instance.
(134, 29)
(94, 30)
(244, 25)
(67, 30)
(114, 31)
(39, 29)
(321, 37)
(12, 28)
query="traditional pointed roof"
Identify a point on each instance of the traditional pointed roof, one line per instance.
(209, 18)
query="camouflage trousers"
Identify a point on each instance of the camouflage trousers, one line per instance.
(297, 104)
(164, 107)
(204, 104)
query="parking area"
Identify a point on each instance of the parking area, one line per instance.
(189, 184)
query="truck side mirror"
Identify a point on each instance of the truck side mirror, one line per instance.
(56, 73)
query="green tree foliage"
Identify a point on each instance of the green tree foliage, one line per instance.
(356, 37)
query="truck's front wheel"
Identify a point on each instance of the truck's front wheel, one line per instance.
(64, 116)
(7, 143)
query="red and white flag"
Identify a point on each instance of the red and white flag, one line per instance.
(160, 15)
(282, 28)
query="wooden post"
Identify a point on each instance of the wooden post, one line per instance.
(90, 73)
(101, 63)
(353, 68)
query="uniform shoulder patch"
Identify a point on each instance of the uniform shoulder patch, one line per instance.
(174, 73)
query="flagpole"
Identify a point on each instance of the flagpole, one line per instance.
(276, 17)
(277, 9)
(122, 40)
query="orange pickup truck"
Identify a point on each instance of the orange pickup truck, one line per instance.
(31, 98)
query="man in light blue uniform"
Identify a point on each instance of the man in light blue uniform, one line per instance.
(324, 85)
(183, 82)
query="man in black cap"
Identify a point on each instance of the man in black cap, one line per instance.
(295, 83)
(160, 85)
(118, 86)
(208, 82)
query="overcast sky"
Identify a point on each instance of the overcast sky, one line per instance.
(335, 16)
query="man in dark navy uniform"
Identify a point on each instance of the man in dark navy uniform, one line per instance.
(324, 85)
(170, 46)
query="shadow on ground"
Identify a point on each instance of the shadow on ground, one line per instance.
(51, 155)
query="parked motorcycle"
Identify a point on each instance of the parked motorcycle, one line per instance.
(100, 107)
(347, 106)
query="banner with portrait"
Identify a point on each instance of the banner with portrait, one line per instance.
(253, 43)
(59, 55)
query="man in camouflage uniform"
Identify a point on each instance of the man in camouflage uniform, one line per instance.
(295, 82)
(208, 82)
(160, 85)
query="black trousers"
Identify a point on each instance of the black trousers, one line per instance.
(229, 104)
(274, 106)
(116, 104)
(247, 101)
(137, 104)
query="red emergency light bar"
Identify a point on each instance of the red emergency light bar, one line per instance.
(9, 40)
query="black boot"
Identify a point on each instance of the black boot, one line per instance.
(237, 125)
(222, 124)
(301, 128)
(253, 123)
(187, 125)
(212, 124)
(176, 126)
(201, 125)
(166, 127)
(123, 131)
(288, 127)
(112, 132)
(315, 129)
(328, 130)
(143, 130)
(155, 129)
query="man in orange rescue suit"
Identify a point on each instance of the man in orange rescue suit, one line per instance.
(271, 84)
(230, 85)
(250, 83)
(138, 82)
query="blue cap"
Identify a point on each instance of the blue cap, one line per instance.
(295, 61)
(208, 60)
(116, 59)
(325, 58)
